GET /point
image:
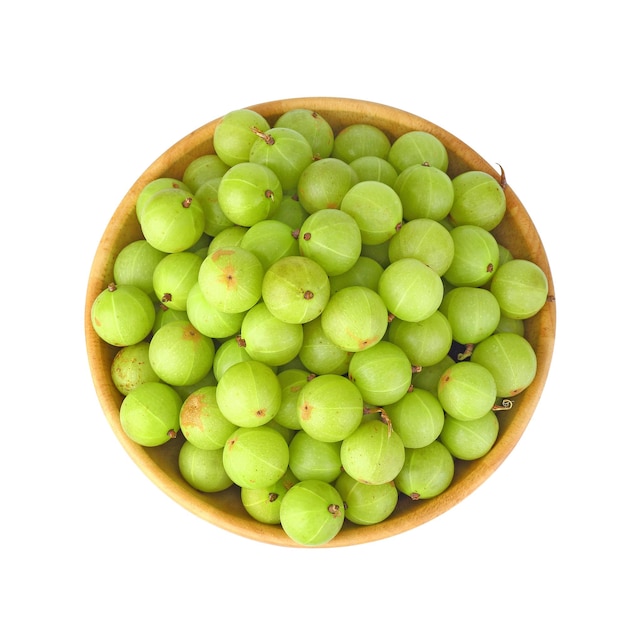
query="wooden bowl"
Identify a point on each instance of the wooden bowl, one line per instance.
(517, 232)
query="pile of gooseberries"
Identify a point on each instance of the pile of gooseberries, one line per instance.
(325, 317)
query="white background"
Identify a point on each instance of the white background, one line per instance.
(92, 96)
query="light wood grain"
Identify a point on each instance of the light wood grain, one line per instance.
(517, 232)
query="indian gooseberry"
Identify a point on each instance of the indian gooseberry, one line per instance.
(228, 237)
(520, 287)
(248, 393)
(232, 138)
(263, 504)
(270, 240)
(207, 319)
(473, 313)
(158, 184)
(319, 354)
(355, 318)
(332, 238)
(426, 192)
(425, 342)
(360, 139)
(364, 272)
(203, 168)
(510, 359)
(248, 193)
(291, 381)
(476, 256)
(255, 457)
(214, 218)
(181, 355)
(174, 276)
(373, 453)
(149, 413)
(417, 147)
(203, 468)
(470, 439)
(479, 199)
(122, 315)
(283, 150)
(202, 422)
(131, 367)
(230, 278)
(426, 240)
(135, 264)
(427, 471)
(267, 338)
(467, 390)
(417, 418)
(324, 183)
(382, 373)
(295, 289)
(229, 352)
(310, 458)
(172, 220)
(366, 504)
(376, 208)
(290, 212)
(410, 289)
(313, 127)
(330, 407)
(374, 168)
(312, 512)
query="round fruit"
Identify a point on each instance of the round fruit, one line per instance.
(427, 471)
(203, 468)
(312, 512)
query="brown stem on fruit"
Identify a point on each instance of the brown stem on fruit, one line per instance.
(414, 496)
(335, 510)
(308, 295)
(490, 268)
(507, 404)
(295, 234)
(272, 497)
(469, 349)
(425, 164)
(112, 287)
(383, 416)
(171, 433)
(268, 138)
(399, 226)
(163, 307)
(166, 298)
(416, 369)
(186, 202)
(311, 376)
(269, 194)
(390, 317)
(503, 182)
(295, 197)
(240, 340)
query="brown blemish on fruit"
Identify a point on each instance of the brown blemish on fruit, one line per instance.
(490, 268)
(191, 333)
(216, 255)
(240, 341)
(272, 497)
(260, 413)
(306, 410)
(307, 236)
(308, 295)
(191, 414)
(231, 443)
(269, 194)
(171, 434)
(187, 202)
(228, 277)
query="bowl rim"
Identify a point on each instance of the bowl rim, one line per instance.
(122, 227)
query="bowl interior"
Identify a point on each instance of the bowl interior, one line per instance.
(516, 232)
